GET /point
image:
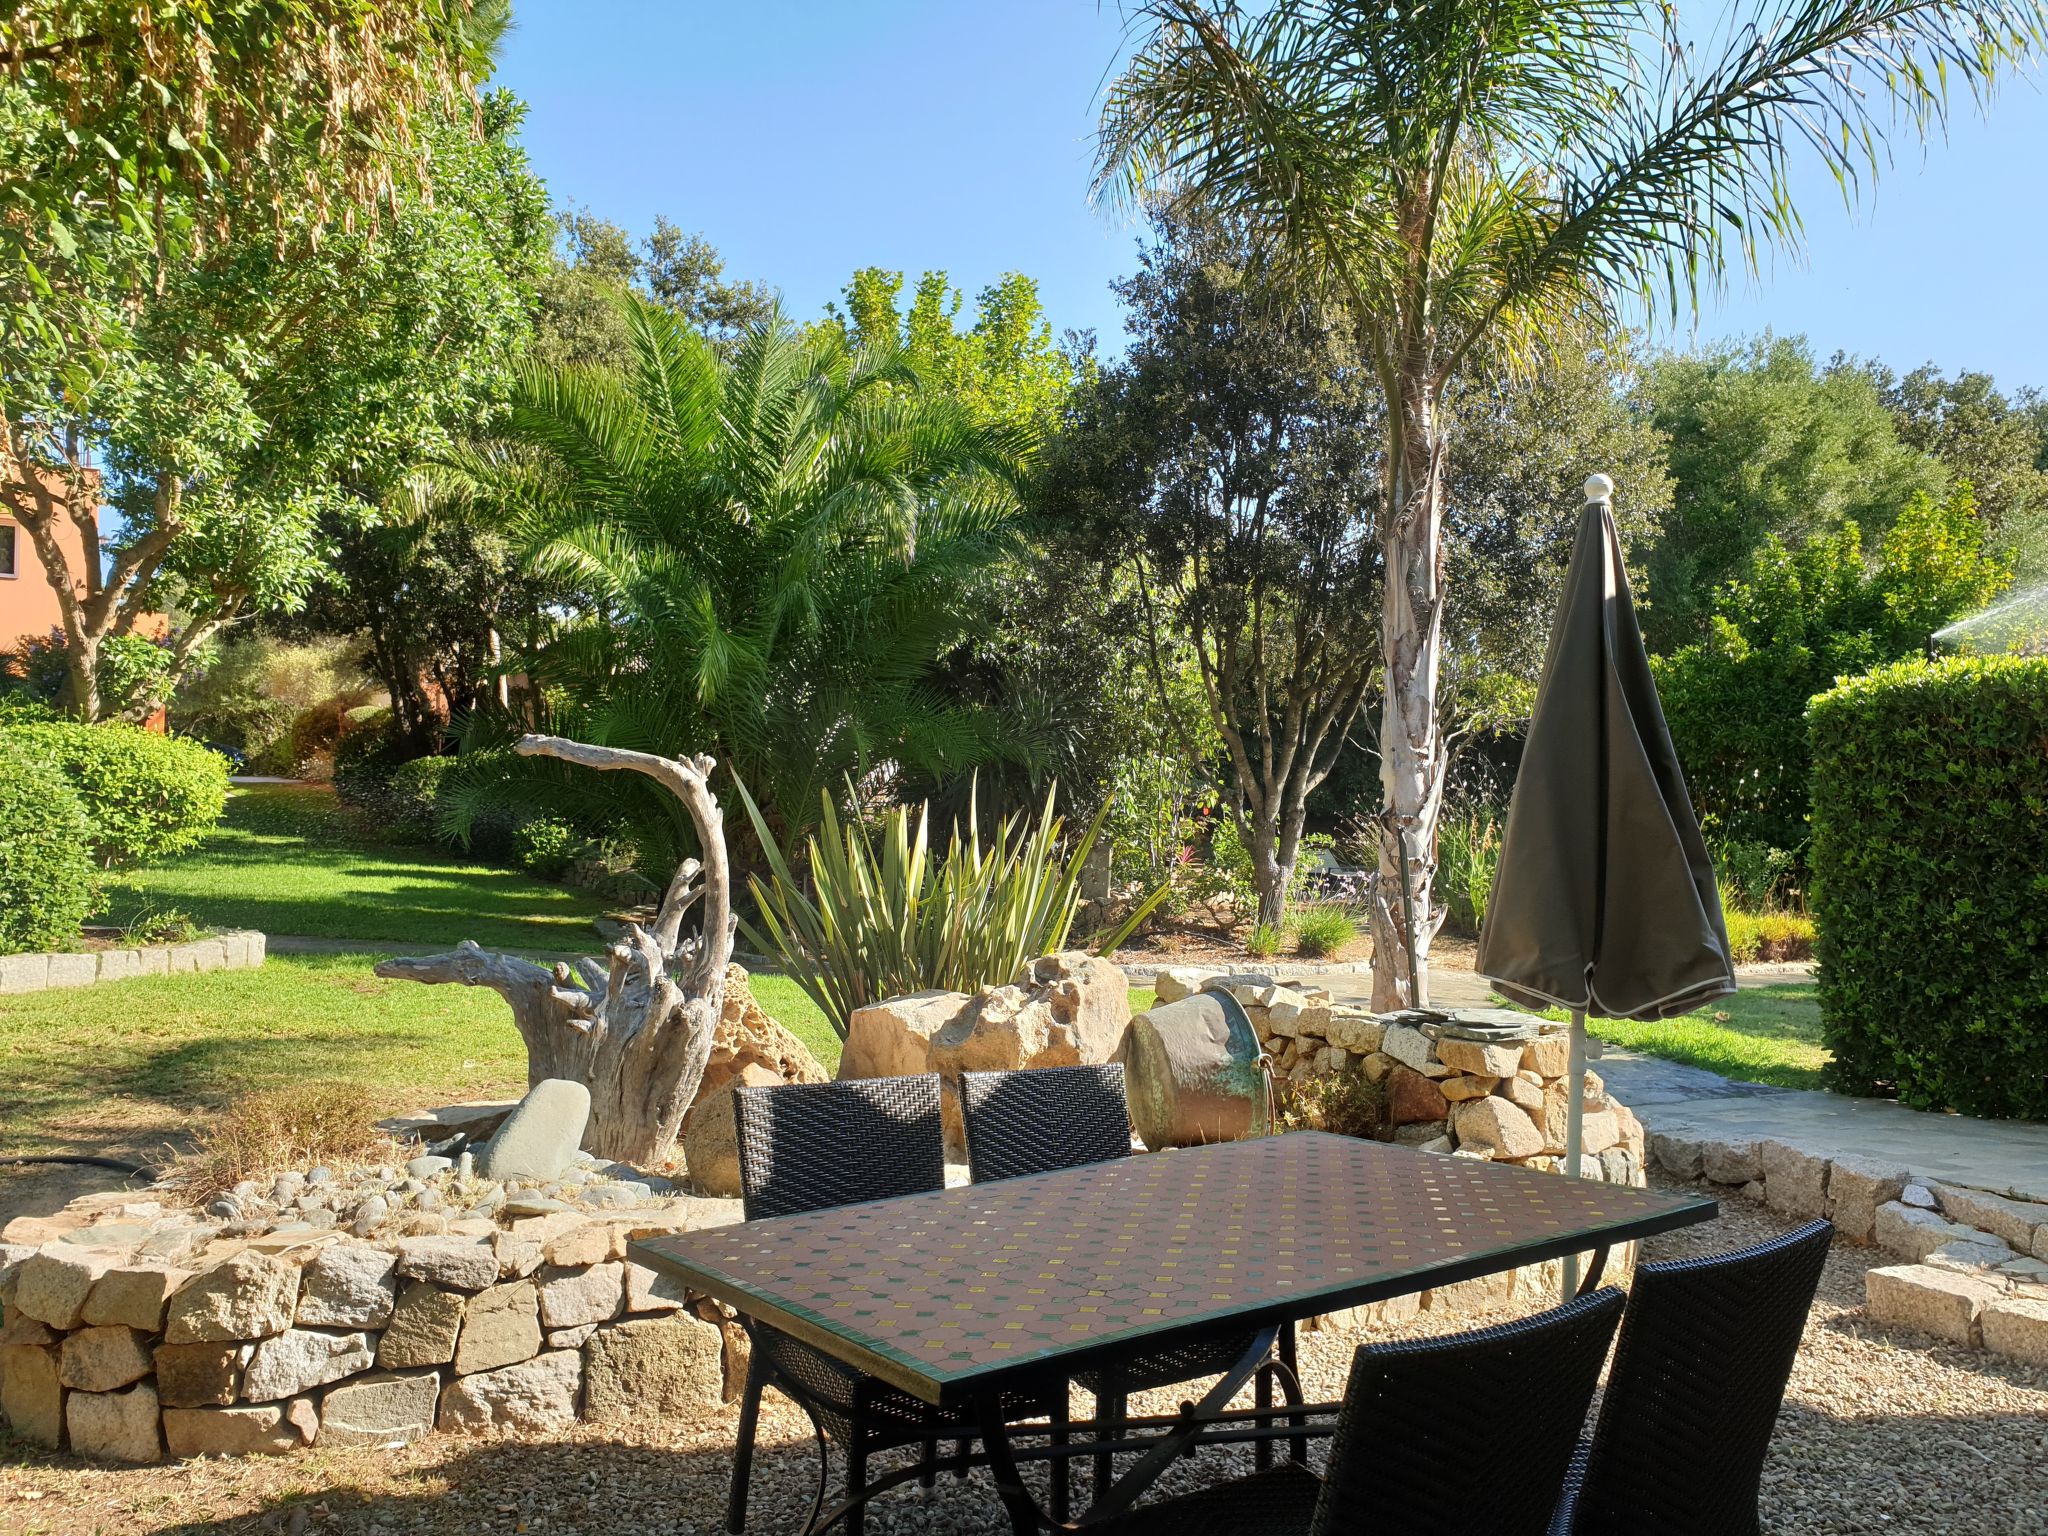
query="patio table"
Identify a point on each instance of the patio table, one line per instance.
(958, 1295)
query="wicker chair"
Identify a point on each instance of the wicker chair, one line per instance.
(1412, 1430)
(1697, 1380)
(1045, 1118)
(807, 1147)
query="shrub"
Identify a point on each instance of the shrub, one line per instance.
(47, 884)
(1226, 875)
(268, 1131)
(408, 806)
(365, 756)
(1324, 930)
(1753, 876)
(546, 846)
(1343, 1103)
(1930, 864)
(146, 795)
(256, 687)
(1767, 935)
(1467, 853)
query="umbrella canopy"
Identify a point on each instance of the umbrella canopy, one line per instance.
(1604, 899)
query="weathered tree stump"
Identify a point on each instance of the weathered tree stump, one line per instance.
(636, 1026)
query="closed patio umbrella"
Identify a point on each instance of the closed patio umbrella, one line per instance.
(1604, 899)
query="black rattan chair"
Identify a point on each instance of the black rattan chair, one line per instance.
(1045, 1118)
(1416, 1421)
(808, 1147)
(1698, 1376)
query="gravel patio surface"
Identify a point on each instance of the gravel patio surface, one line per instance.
(1882, 1431)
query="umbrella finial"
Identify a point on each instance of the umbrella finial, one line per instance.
(1599, 488)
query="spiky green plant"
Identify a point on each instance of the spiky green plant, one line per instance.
(884, 915)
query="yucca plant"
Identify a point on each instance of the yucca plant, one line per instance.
(884, 916)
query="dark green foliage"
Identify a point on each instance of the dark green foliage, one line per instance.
(145, 795)
(547, 846)
(46, 874)
(408, 806)
(1930, 862)
(1323, 930)
(365, 757)
(1803, 618)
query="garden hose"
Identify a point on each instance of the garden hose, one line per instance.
(84, 1162)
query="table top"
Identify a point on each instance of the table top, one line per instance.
(956, 1291)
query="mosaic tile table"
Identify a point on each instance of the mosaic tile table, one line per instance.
(958, 1294)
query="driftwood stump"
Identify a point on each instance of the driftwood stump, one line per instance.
(634, 1027)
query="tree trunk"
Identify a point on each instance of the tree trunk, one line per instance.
(635, 1028)
(1411, 742)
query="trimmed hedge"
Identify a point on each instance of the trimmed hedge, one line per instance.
(146, 795)
(1930, 864)
(47, 884)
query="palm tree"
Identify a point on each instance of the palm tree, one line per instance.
(1479, 180)
(769, 550)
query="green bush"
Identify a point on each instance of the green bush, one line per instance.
(47, 885)
(1467, 852)
(257, 686)
(409, 804)
(546, 846)
(1930, 864)
(1323, 930)
(365, 757)
(146, 795)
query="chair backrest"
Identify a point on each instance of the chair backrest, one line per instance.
(1697, 1380)
(1042, 1118)
(1468, 1435)
(807, 1146)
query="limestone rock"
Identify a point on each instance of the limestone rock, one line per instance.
(134, 1295)
(380, 1409)
(1676, 1155)
(251, 1296)
(2017, 1326)
(1970, 1258)
(672, 1367)
(747, 1037)
(1936, 1301)
(518, 1257)
(1525, 1092)
(457, 1263)
(423, 1327)
(1494, 1122)
(500, 1327)
(349, 1286)
(541, 1137)
(1465, 1086)
(586, 1242)
(2013, 1222)
(1726, 1162)
(893, 1038)
(1171, 983)
(1360, 1034)
(1548, 1055)
(1857, 1186)
(31, 1397)
(1413, 1099)
(114, 1426)
(1599, 1129)
(1410, 1046)
(103, 1359)
(303, 1358)
(537, 1395)
(52, 1286)
(247, 1429)
(1913, 1234)
(1795, 1180)
(711, 1139)
(200, 1375)
(1479, 1058)
(1423, 1135)
(653, 1290)
(571, 1297)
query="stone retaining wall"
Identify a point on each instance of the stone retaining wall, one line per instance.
(237, 951)
(119, 1350)
(1976, 1270)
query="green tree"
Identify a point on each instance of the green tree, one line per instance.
(1998, 443)
(1764, 443)
(771, 552)
(1004, 367)
(1468, 175)
(264, 385)
(1801, 619)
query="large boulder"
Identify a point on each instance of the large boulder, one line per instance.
(749, 1050)
(1062, 1010)
(541, 1137)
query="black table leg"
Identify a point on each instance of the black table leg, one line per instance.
(1592, 1281)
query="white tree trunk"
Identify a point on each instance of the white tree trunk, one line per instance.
(635, 1028)
(1411, 742)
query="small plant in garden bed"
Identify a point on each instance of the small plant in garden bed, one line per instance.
(269, 1130)
(1323, 931)
(1343, 1103)
(1263, 942)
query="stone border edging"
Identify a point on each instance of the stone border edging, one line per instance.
(238, 950)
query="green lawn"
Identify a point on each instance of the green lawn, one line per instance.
(286, 859)
(132, 1061)
(1759, 1035)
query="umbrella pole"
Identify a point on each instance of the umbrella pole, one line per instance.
(1574, 1128)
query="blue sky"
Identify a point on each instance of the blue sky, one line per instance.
(807, 138)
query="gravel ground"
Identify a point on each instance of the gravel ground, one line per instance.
(1881, 1432)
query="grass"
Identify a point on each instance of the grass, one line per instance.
(288, 860)
(1759, 1035)
(132, 1062)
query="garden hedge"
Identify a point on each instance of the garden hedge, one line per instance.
(1930, 865)
(146, 795)
(47, 885)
